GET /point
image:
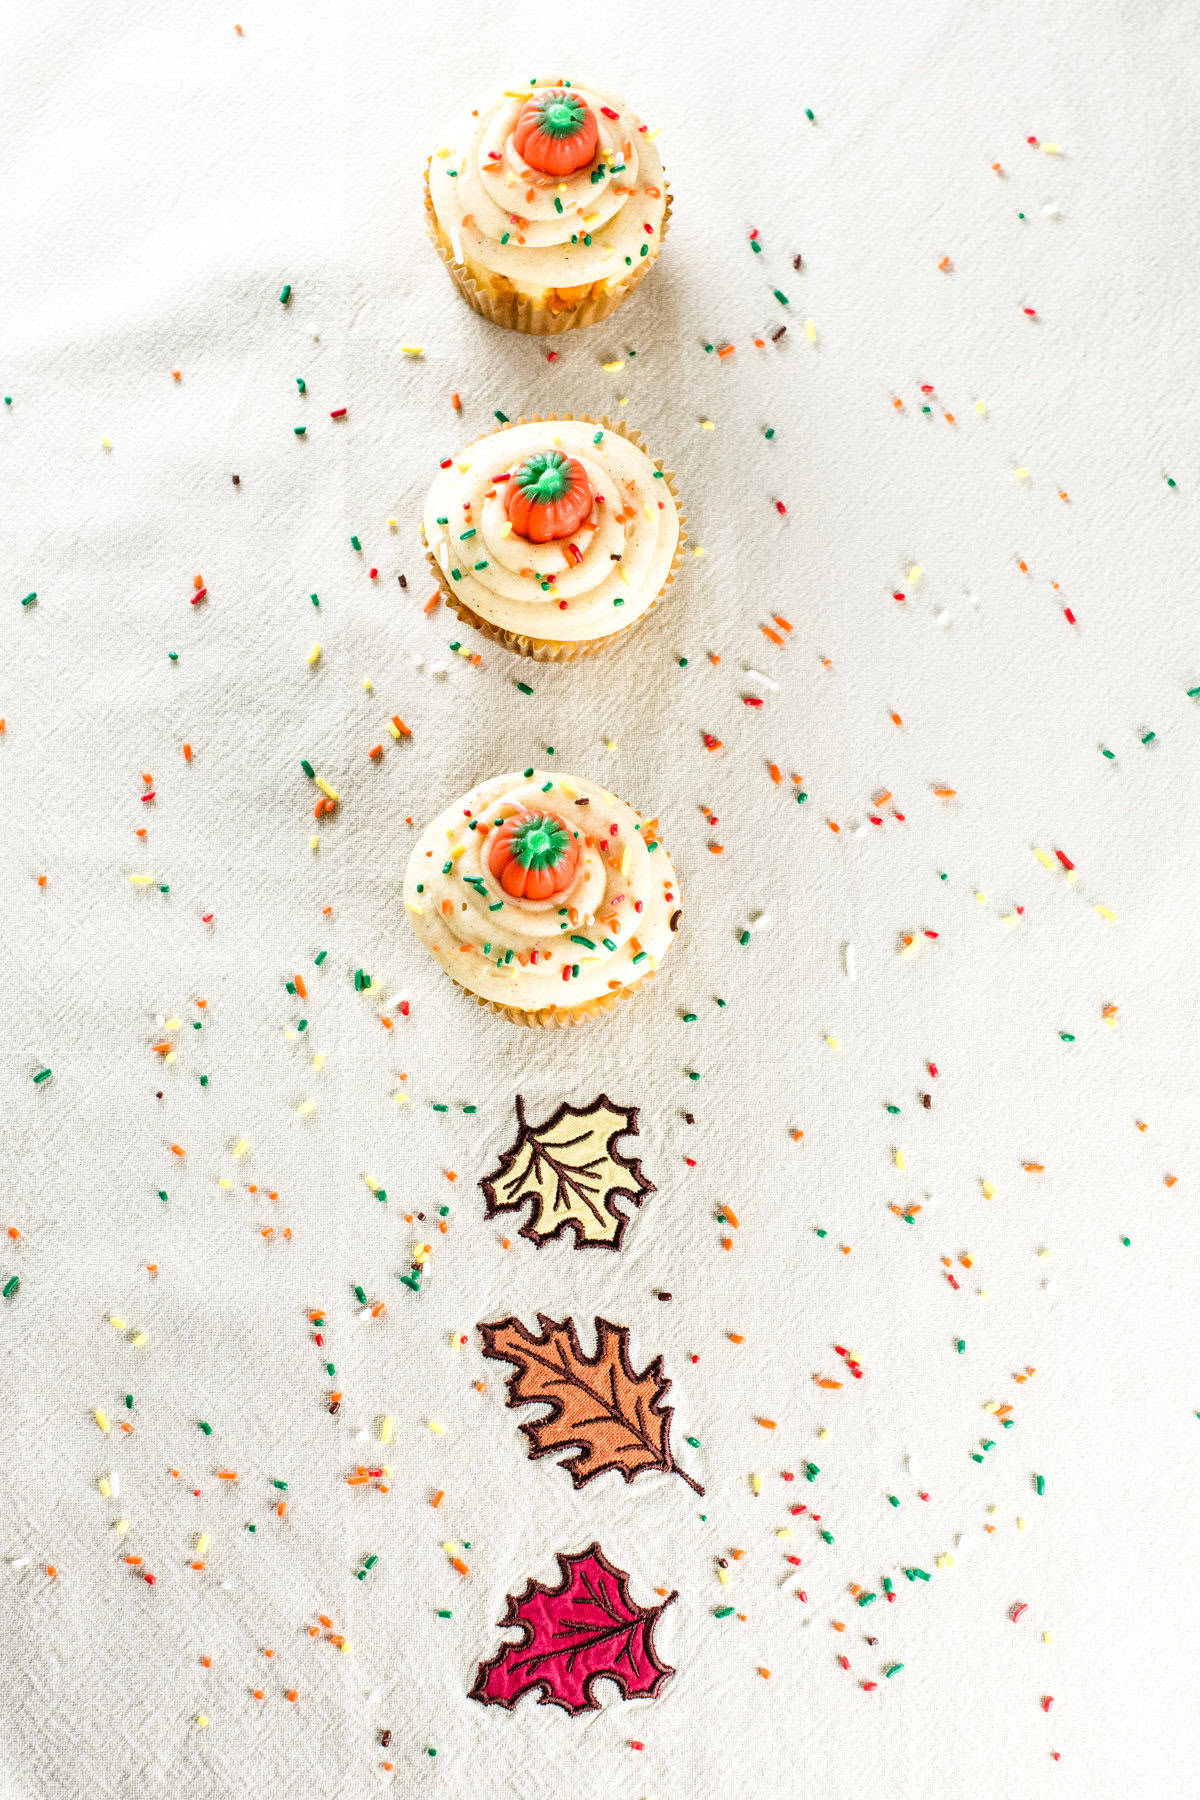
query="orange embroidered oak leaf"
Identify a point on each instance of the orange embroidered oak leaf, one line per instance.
(600, 1406)
(585, 1630)
(573, 1173)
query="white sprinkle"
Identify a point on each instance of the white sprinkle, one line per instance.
(757, 675)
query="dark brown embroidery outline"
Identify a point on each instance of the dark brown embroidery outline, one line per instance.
(601, 1202)
(638, 1420)
(566, 1563)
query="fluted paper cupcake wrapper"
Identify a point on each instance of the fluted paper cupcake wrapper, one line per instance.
(556, 649)
(518, 312)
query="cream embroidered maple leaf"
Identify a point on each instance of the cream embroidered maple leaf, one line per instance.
(572, 1172)
(600, 1406)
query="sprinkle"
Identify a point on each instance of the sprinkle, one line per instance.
(314, 655)
(286, 295)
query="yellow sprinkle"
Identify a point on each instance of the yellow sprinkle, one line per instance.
(458, 850)
(414, 908)
(1106, 914)
(371, 1183)
(915, 575)
(117, 1324)
(385, 1430)
(824, 1435)
(202, 1543)
(240, 1148)
(121, 1527)
(172, 1024)
(1010, 918)
(989, 1192)
(506, 529)
(412, 349)
(980, 897)
(329, 792)
(699, 550)
(590, 219)
(305, 1107)
(1047, 862)
(437, 1430)
(981, 408)
(1047, 1637)
(101, 1419)
(139, 1338)
(810, 331)
(756, 1484)
(391, 525)
(224, 1181)
(832, 1042)
(707, 425)
(106, 443)
(785, 1531)
(140, 880)
(723, 1577)
(610, 744)
(103, 1485)
(344, 1647)
(655, 132)
(1045, 1255)
(1052, 150)
(314, 842)
(401, 1098)
(394, 729)
(368, 684)
(983, 1293)
(945, 1560)
(318, 1062)
(609, 367)
(646, 508)
(202, 1719)
(509, 94)
(1022, 1525)
(1021, 474)
(991, 1406)
(899, 1159)
(170, 1057)
(314, 655)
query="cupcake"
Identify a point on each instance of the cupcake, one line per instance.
(544, 896)
(554, 535)
(550, 207)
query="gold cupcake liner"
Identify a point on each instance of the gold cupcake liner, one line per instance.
(537, 318)
(550, 1018)
(556, 649)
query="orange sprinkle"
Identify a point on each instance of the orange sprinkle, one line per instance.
(783, 623)
(732, 1217)
(823, 1381)
(187, 753)
(765, 1673)
(197, 1565)
(1170, 1180)
(837, 1625)
(257, 1694)
(882, 799)
(450, 1174)
(291, 1694)
(735, 1337)
(326, 1622)
(945, 793)
(717, 849)
(51, 1570)
(178, 1150)
(1023, 566)
(895, 718)
(1034, 1168)
(768, 1424)
(774, 771)
(898, 404)
(456, 403)
(438, 1498)
(401, 727)
(773, 635)
(376, 752)
(385, 1022)
(226, 1474)
(197, 582)
(832, 825)
(432, 600)
(298, 984)
(796, 1136)
(162, 1048)
(206, 1662)
(727, 351)
(13, 1233)
(281, 1509)
(134, 1561)
(456, 1562)
(727, 1243)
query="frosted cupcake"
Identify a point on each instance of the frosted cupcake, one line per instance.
(554, 535)
(549, 208)
(545, 897)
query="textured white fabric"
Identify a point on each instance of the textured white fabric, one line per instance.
(164, 178)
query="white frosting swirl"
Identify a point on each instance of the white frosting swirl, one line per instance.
(604, 932)
(543, 231)
(597, 581)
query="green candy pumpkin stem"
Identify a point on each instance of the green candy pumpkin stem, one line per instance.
(562, 115)
(538, 842)
(544, 477)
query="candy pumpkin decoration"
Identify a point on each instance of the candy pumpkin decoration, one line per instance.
(548, 497)
(533, 856)
(556, 132)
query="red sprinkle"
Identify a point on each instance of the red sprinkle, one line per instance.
(780, 507)
(339, 412)
(932, 1067)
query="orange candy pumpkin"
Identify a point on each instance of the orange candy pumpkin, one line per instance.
(548, 497)
(556, 132)
(533, 856)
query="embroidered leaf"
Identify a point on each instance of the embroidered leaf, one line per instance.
(599, 1405)
(573, 1173)
(583, 1631)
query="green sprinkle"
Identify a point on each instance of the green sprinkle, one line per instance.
(892, 1500)
(744, 939)
(129, 1401)
(1149, 737)
(314, 599)
(599, 438)
(811, 1471)
(801, 796)
(820, 1231)
(683, 662)
(173, 655)
(299, 430)
(694, 1442)
(163, 1194)
(252, 1528)
(769, 432)
(330, 1369)
(960, 1345)
(308, 768)
(942, 875)
(1111, 754)
(360, 1294)
(756, 247)
(431, 1751)
(354, 544)
(586, 942)
(693, 1074)
(281, 1485)
(828, 1536)
(781, 297)
(300, 383)
(917, 1574)
(1193, 693)
(29, 599)
(558, 205)
(689, 1018)
(723, 1612)
(810, 115)
(718, 1000)
(440, 1106)
(205, 1427)
(887, 1585)
(893, 1670)
(1170, 481)
(444, 1613)
(42, 1075)
(524, 687)
(370, 1562)
(1126, 1241)
(11, 1286)
(1068, 1037)
(504, 236)
(503, 417)
(892, 1109)
(1039, 1484)
(470, 1109)
(866, 1599)
(286, 294)
(319, 958)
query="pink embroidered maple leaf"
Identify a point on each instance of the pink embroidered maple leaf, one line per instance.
(585, 1630)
